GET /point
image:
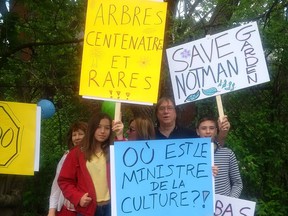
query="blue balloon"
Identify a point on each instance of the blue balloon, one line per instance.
(47, 108)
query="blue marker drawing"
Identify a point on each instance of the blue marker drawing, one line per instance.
(210, 91)
(193, 97)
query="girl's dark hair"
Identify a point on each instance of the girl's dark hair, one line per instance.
(206, 118)
(80, 125)
(90, 143)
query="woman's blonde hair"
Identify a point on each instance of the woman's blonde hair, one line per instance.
(144, 128)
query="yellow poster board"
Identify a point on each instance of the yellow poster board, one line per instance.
(17, 138)
(122, 53)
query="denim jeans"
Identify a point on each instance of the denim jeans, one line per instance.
(104, 210)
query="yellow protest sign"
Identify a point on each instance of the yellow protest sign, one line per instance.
(122, 51)
(17, 138)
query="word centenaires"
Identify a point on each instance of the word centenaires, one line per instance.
(127, 16)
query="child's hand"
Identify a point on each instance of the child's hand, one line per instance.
(118, 127)
(215, 170)
(224, 124)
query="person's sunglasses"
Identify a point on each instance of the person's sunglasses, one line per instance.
(131, 130)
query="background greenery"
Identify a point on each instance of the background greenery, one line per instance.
(40, 57)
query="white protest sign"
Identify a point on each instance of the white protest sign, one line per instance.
(218, 64)
(225, 205)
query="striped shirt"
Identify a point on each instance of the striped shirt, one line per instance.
(228, 181)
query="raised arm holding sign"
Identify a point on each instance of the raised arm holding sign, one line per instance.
(86, 170)
(228, 181)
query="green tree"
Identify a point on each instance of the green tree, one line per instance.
(40, 57)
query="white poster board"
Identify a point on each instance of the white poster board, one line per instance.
(218, 64)
(225, 205)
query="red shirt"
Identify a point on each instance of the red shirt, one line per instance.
(74, 181)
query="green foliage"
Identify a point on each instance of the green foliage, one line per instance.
(40, 57)
(258, 138)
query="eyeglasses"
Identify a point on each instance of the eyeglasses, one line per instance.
(163, 108)
(131, 129)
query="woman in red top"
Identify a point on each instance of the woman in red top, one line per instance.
(85, 176)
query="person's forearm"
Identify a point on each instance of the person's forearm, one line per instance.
(224, 127)
(236, 190)
(52, 212)
(222, 137)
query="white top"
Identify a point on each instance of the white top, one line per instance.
(57, 199)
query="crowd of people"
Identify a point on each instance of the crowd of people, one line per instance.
(81, 186)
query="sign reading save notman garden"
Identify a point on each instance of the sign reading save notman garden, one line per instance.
(218, 64)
